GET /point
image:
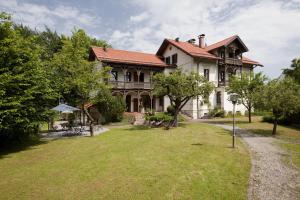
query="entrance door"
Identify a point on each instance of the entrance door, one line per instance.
(135, 105)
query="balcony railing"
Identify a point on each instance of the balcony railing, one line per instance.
(231, 61)
(131, 85)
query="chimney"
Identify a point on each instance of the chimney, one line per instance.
(201, 40)
(177, 39)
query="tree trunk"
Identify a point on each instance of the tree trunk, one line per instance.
(274, 126)
(175, 120)
(91, 121)
(249, 115)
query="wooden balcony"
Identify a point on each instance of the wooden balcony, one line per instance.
(231, 61)
(131, 85)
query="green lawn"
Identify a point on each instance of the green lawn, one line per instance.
(194, 161)
(289, 136)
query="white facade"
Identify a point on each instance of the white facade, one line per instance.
(196, 108)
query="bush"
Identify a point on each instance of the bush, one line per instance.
(171, 110)
(238, 113)
(158, 117)
(110, 107)
(282, 120)
(216, 113)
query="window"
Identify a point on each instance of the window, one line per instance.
(218, 98)
(114, 75)
(206, 74)
(222, 54)
(174, 59)
(222, 76)
(128, 76)
(161, 101)
(168, 60)
(141, 77)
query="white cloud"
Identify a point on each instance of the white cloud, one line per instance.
(270, 28)
(138, 18)
(37, 15)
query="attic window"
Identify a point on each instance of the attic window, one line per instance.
(170, 48)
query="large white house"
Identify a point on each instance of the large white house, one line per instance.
(132, 71)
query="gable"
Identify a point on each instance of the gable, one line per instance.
(231, 41)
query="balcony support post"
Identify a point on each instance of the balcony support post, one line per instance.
(151, 100)
(138, 97)
(124, 73)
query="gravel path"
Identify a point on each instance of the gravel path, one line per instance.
(270, 178)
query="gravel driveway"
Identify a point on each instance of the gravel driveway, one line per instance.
(270, 178)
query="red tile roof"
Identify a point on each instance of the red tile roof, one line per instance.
(130, 57)
(221, 43)
(251, 62)
(195, 51)
(186, 47)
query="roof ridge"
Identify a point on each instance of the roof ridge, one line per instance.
(125, 50)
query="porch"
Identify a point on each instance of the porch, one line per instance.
(141, 101)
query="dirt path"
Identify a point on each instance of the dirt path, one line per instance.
(270, 178)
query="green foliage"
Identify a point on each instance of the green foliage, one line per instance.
(38, 67)
(283, 120)
(25, 91)
(281, 96)
(216, 112)
(171, 110)
(294, 70)
(180, 88)
(246, 87)
(258, 112)
(110, 107)
(159, 117)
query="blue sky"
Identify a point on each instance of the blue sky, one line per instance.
(270, 28)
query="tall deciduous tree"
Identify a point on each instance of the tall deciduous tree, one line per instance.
(76, 78)
(25, 91)
(281, 96)
(180, 88)
(245, 87)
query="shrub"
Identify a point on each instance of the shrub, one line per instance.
(110, 107)
(216, 112)
(238, 113)
(171, 110)
(283, 120)
(158, 117)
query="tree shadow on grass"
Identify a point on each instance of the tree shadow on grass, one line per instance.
(15, 147)
(197, 144)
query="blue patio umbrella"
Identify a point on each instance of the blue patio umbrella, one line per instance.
(64, 108)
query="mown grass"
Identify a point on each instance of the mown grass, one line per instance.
(290, 136)
(193, 161)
